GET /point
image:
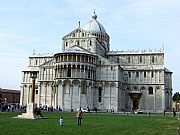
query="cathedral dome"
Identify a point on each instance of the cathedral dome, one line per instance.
(94, 26)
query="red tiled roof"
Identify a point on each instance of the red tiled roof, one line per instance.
(10, 90)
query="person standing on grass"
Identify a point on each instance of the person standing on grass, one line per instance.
(174, 112)
(61, 121)
(79, 116)
(164, 112)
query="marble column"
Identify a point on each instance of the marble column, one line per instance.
(29, 93)
(45, 92)
(79, 90)
(71, 92)
(22, 95)
(60, 96)
(39, 95)
(110, 97)
(56, 96)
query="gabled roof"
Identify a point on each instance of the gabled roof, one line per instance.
(31, 69)
(69, 34)
(167, 70)
(47, 63)
(41, 55)
(106, 61)
(76, 49)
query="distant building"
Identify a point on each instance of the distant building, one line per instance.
(86, 73)
(9, 96)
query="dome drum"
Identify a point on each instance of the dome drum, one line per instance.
(74, 57)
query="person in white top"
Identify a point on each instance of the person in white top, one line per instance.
(61, 121)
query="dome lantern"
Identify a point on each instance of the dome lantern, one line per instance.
(94, 16)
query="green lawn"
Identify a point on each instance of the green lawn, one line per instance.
(92, 124)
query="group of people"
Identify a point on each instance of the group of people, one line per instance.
(79, 115)
(12, 107)
(37, 111)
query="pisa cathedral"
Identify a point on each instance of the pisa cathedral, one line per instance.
(87, 74)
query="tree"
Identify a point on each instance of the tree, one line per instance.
(176, 97)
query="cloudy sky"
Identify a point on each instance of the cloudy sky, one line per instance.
(40, 24)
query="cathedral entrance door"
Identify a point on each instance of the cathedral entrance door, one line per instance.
(135, 104)
(135, 98)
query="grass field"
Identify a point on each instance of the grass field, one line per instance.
(92, 124)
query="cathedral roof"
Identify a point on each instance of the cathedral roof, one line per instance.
(94, 26)
(31, 69)
(167, 70)
(76, 49)
(41, 55)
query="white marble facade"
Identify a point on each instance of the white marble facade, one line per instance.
(86, 73)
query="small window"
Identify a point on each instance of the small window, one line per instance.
(150, 90)
(36, 62)
(137, 74)
(144, 73)
(90, 43)
(77, 42)
(140, 59)
(100, 94)
(129, 73)
(66, 44)
(36, 92)
(152, 74)
(129, 60)
(117, 59)
(69, 71)
(89, 72)
(152, 59)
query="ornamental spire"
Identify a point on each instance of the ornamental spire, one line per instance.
(79, 24)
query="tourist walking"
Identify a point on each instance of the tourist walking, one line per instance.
(61, 121)
(79, 116)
